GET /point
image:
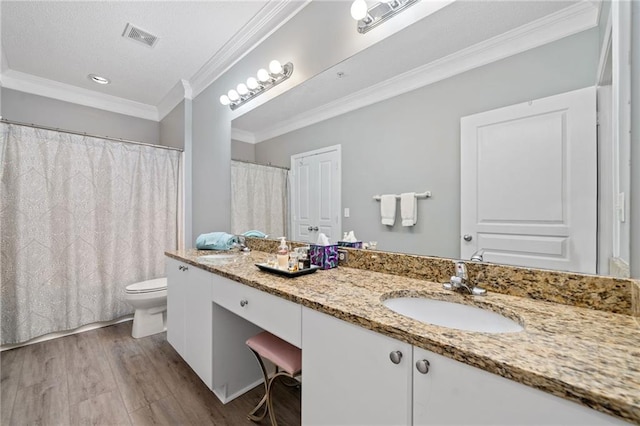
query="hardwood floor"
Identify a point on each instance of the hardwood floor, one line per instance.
(106, 377)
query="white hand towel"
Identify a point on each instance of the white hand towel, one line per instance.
(388, 209)
(408, 208)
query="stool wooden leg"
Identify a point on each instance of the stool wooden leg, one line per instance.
(263, 402)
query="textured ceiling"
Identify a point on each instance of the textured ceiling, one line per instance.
(65, 41)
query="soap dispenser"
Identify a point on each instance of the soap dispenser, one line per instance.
(283, 254)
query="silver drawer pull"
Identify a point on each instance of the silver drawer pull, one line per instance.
(244, 302)
(395, 357)
(423, 366)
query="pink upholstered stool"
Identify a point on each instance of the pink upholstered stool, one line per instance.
(286, 358)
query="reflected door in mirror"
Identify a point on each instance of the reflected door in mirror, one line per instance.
(316, 196)
(529, 184)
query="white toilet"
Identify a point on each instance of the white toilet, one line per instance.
(149, 298)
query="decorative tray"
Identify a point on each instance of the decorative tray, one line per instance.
(264, 267)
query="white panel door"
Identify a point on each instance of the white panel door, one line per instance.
(488, 399)
(301, 200)
(176, 304)
(529, 183)
(316, 195)
(348, 375)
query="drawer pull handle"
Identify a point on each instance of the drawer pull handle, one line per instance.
(423, 366)
(244, 303)
(395, 357)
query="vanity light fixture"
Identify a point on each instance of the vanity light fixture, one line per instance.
(265, 80)
(97, 79)
(369, 18)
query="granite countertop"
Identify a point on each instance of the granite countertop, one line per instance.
(584, 355)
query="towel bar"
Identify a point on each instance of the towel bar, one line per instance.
(426, 194)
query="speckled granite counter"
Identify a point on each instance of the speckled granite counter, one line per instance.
(585, 355)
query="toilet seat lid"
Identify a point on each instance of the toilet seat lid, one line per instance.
(148, 286)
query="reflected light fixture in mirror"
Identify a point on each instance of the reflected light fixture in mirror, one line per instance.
(369, 18)
(265, 80)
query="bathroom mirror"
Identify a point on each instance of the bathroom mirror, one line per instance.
(410, 141)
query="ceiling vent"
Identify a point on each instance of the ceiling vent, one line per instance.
(139, 35)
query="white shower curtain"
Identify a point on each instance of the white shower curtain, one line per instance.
(80, 219)
(259, 199)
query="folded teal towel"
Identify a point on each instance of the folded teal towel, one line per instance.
(255, 233)
(216, 241)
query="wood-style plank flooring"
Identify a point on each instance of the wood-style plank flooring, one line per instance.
(106, 377)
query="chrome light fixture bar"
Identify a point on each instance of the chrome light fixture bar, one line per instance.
(256, 86)
(378, 13)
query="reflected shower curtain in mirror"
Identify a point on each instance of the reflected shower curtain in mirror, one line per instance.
(80, 219)
(258, 199)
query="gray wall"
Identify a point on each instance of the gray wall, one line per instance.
(172, 127)
(28, 108)
(243, 151)
(635, 141)
(411, 142)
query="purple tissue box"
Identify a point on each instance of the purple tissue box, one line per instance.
(357, 244)
(325, 257)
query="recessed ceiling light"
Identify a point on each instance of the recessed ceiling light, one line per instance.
(98, 79)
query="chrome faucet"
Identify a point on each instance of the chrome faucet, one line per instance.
(460, 282)
(478, 256)
(240, 244)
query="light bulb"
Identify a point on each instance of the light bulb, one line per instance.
(224, 100)
(275, 67)
(359, 9)
(233, 95)
(263, 75)
(242, 89)
(252, 83)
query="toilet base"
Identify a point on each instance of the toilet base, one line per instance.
(147, 322)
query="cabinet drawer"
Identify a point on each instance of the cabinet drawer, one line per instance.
(274, 314)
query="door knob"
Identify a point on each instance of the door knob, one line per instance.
(395, 357)
(244, 303)
(310, 228)
(315, 228)
(467, 237)
(423, 366)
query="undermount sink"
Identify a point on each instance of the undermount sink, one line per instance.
(219, 259)
(452, 315)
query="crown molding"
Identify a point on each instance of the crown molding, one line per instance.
(242, 135)
(179, 92)
(571, 20)
(35, 85)
(269, 19)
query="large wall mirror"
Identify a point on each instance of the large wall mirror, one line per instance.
(395, 110)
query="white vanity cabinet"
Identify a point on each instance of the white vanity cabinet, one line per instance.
(455, 393)
(348, 376)
(189, 316)
(349, 379)
(275, 314)
(240, 312)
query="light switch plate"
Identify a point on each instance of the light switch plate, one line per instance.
(346, 212)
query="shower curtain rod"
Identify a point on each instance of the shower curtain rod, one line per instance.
(259, 164)
(55, 129)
